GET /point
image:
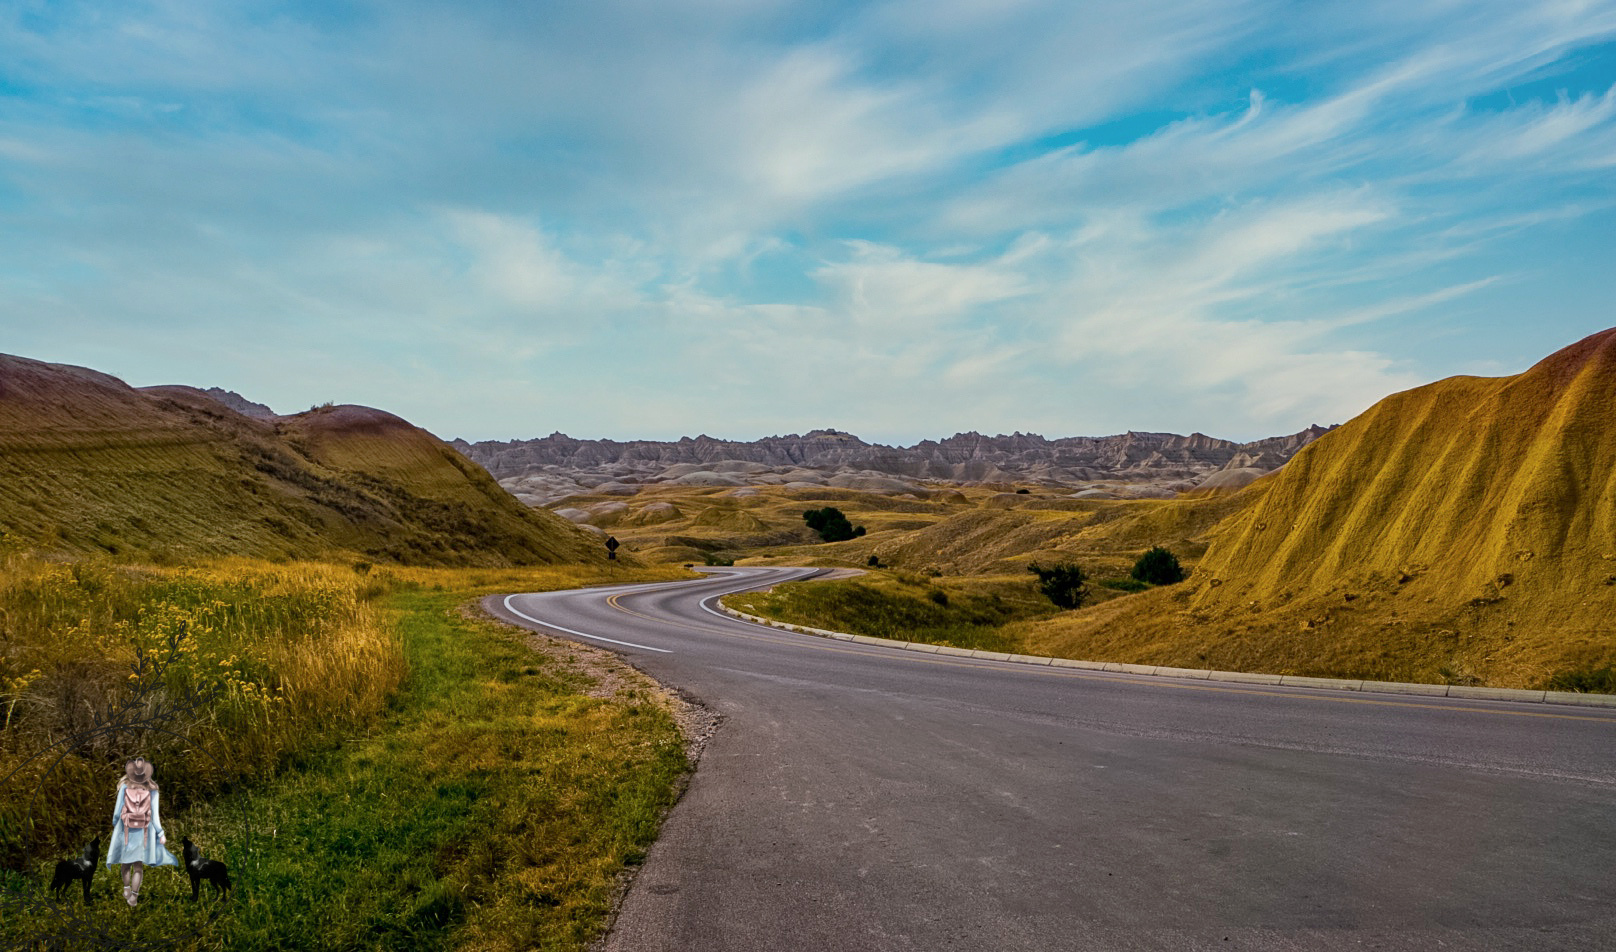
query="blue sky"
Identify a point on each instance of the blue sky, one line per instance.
(649, 219)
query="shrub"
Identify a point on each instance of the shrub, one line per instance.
(1588, 680)
(1158, 567)
(1124, 584)
(831, 525)
(1065, 584)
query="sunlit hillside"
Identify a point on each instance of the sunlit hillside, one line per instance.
(957, 531)
(1462, 531)
(89, 464)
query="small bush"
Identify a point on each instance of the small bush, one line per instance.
(1065, 584)
(831, 525)
(1585, 680)
(1158, 567)
(1124, 584)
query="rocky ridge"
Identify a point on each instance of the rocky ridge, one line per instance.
(545, 470)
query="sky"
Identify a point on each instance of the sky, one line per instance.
(644, 219)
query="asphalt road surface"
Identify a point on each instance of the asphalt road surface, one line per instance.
(860, 797)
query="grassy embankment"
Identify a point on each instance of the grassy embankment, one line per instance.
(379, 771)
(962, 612)
(961, 579)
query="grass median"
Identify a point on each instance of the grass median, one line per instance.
(963, 613)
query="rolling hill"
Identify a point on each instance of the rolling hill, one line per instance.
(88, 463)
(1461, 531)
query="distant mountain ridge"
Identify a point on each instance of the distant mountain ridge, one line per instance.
(554, 466)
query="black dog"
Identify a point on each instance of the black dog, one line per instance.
(215, 872)
(68, 870)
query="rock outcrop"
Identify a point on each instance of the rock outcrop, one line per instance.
(554, 467)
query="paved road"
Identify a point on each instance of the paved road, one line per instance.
(861, 797)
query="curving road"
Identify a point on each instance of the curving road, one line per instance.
(861, 797)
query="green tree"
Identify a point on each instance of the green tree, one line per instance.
(831, 525)
(1158, 567)
(1065, 584)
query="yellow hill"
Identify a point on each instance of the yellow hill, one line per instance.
(1461, 531)
(88, 463)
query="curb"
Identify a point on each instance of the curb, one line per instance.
(1237, 677)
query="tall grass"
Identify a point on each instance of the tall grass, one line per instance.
(220, 673)
(481, 795)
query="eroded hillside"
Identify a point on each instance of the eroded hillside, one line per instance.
(1462, 531)
(88, 463)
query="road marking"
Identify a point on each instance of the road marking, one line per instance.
(713, 611)
(815, 643)
(611, 641)
(612, 600)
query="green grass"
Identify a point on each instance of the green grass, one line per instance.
(218, 674)
(965, 613)
(1124, 584)
(1585, 680)
(494, 807)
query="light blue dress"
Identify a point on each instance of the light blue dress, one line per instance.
(138, 846)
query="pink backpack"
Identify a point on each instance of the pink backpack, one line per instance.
(136, 808)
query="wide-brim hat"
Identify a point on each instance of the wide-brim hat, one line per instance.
(138, 770)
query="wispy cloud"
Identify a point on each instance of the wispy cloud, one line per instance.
(901, 218)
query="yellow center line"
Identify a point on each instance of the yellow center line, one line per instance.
(1075, 674)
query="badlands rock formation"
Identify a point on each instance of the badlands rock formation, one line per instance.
(1130, 464)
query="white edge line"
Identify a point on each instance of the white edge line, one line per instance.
(713, 611)
(547, 624)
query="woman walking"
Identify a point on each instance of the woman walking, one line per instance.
(137, 829)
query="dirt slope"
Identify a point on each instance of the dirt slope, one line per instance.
(1462, 531)
(88, 463)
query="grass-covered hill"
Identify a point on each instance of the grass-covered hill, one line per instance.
(957, 531)
(1462, 531)
(88, 463)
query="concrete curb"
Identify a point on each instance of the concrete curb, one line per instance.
(1198, 674)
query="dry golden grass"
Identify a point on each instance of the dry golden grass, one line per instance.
(485, 790)
(691, 524)
(222, 669)
(226, 668)
(1463, 531)
(89, 465)
(957, 531)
